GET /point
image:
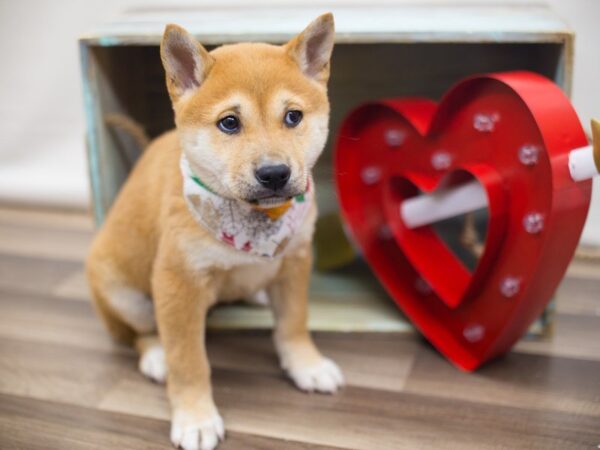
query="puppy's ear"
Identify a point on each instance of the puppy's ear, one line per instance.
(312, 48)
(185, 60)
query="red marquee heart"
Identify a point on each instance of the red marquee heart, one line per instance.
(512, 132)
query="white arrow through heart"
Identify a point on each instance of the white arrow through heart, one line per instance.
(584, 163)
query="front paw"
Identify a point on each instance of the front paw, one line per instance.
(324, 376)
(191, 431)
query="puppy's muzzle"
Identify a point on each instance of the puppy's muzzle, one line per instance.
(273, 177)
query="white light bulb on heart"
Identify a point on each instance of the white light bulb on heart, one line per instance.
(510, 286)
(394, 137)
(533, 222)
(529, 155)
(485, 123)
(474, 332)
(441, 160)
(370, 175)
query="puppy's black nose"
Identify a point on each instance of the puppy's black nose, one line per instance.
(273, 177)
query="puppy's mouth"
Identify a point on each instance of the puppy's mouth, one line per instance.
(266, 198)
(270, 202)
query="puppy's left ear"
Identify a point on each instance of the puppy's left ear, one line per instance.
(312, 48)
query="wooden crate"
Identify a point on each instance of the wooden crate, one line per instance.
(380, 52)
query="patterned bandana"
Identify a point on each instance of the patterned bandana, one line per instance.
(253, 229)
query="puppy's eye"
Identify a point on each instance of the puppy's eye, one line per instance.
(292, 118)
(229, 124)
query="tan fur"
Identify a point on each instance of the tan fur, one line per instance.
(150, 243)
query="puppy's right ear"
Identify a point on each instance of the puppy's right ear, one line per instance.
(185, 60)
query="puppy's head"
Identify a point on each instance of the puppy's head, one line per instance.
(252, 118)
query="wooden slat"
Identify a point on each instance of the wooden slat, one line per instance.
(36, 318)
(573, 336)
(36, 275)
(22, 240)
(584, 269)
(520, 380)
(50, 218)
(378, 361)
(73, 287)
(33, 424)
(383, 23)
(367, 419)
(387, 368)
(266, 404)
(580, 295)
(326, 313)
(59, 372)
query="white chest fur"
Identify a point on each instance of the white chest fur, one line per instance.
(246, 274)
(246, 280)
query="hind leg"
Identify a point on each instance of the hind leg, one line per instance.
(129, 316)
(135, 310)
(133, 307)
(127, 312)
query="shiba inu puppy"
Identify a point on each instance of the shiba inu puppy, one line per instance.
(222, 208)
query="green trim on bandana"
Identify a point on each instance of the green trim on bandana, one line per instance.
(199, 182)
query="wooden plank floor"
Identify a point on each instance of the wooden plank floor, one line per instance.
(64, 385)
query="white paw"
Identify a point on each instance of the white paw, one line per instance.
(324, 377)
(190, 434)
(153, 364)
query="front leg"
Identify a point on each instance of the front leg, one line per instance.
(297, 352)
(181, 303)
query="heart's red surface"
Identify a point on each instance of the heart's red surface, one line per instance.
(510, 131)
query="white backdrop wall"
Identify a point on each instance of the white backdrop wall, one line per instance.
(42, 157)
